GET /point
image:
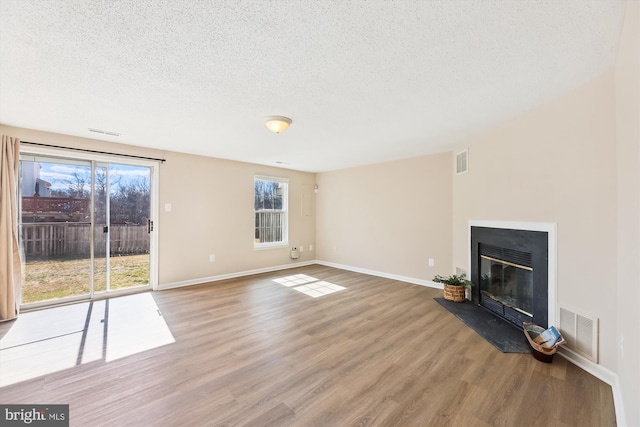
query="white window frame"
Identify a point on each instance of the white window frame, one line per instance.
(285, 210)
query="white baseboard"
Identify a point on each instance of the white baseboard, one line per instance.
(407, 279)
(202, 280)
(602, 374)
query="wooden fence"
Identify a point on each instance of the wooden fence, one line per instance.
(70, 240)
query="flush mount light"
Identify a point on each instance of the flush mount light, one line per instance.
(277, 124)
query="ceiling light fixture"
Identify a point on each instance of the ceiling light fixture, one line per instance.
(277, 124)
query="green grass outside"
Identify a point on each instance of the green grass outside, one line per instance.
(51, 279)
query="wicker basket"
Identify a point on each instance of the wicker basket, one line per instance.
(541, 353)
(454, 293)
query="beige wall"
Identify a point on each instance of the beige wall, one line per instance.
(627, 90)
(555, 164)
(390, 217)
(212, 210)
(574, 161)
(212, 213)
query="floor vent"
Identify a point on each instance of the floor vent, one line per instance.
(581, 333)
(462, 162)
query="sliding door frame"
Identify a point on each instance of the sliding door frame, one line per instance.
(95, 159)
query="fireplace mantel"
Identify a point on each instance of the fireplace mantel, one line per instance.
(551, 230)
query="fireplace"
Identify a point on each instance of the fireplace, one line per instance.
(510, 270)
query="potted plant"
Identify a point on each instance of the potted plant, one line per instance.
(454, 286)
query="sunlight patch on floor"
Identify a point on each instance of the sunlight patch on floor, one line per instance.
(298, 279)
(309, 285)
(50, 340)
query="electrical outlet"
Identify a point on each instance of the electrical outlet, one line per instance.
(432, 262)
(310, 248)
(212, 258)
(301, 248)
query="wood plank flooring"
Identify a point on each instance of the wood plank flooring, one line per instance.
(252, 352)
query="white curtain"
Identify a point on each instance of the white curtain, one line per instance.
(10, 267)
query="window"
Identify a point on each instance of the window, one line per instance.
(270, 207)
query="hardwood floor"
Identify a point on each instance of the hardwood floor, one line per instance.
(254, 352)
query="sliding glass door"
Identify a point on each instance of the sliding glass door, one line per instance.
(85, 228)
(56, 226)
(123, 226)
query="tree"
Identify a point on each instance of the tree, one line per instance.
(268, 195)
(78, 185)
(130, 204)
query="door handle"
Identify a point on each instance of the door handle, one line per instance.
(149, 226)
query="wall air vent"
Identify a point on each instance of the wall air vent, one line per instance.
(581, 333)
(462, 162)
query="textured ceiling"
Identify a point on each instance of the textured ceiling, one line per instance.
(363, 81)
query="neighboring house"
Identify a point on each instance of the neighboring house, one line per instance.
(37, 203)
(32, 184)
(42, 188)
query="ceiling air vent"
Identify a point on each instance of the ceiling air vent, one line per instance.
(105, 132)
(581, 333)
(462, 162)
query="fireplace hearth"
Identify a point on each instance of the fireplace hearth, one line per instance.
(510, 270)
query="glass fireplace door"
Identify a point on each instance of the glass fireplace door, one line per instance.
(507, 282)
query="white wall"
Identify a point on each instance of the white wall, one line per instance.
(627, 90)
